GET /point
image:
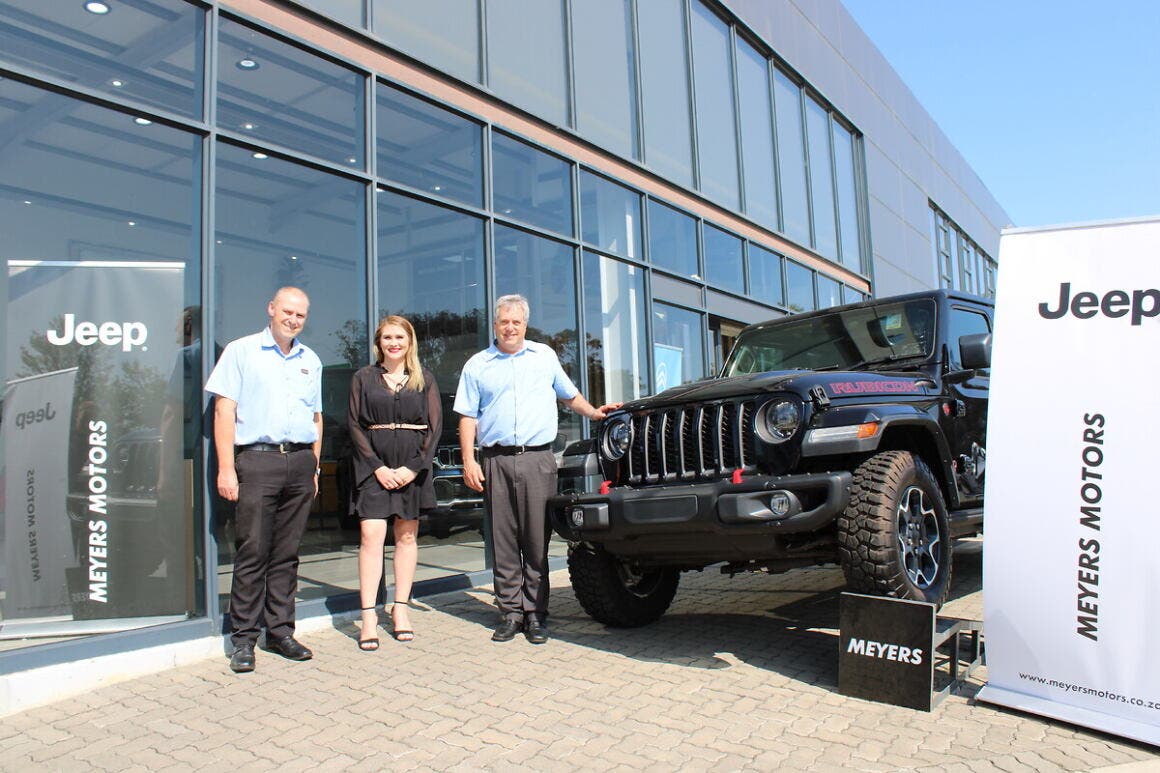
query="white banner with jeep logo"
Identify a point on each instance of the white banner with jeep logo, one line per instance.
(1071, 559)
(91, 543)
(37, 539)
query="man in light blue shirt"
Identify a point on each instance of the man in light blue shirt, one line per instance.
(268, 437)
(507, 402)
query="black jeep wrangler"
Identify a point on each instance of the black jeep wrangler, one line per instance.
(852, 435)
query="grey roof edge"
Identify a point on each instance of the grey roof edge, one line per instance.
(1010, 230)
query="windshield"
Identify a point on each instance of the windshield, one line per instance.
(844, 340)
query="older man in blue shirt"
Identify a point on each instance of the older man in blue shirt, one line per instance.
(507, 402)
(268, 437)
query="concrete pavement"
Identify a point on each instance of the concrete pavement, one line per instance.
(741, 674)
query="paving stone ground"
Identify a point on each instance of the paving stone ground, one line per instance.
(741, 674)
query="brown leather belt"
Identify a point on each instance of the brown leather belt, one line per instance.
(394, 425)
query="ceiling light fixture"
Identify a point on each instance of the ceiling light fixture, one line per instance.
(260, 156)
(249, 126)
(142, 121)
(97, 7)
(117, 83)
(247, 63)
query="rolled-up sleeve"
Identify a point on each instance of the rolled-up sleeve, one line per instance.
(565, 389)
(225, 380)
(467, 394)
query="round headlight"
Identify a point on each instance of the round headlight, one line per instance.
(617, 437)
(781, 419)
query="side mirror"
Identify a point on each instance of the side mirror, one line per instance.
(975, 351)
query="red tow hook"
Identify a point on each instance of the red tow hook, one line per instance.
(736, 476)
(604, 487)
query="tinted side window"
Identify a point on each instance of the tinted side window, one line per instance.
(964, 322)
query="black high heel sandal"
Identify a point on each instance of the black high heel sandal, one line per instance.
(372, 644)
(400, 634)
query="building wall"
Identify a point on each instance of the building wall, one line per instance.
(910, 163)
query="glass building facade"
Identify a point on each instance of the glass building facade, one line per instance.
(651, 175)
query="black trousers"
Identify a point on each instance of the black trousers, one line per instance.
(516, 490)
(275, 492)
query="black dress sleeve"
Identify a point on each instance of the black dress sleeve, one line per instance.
(434, 411)
(366, 461)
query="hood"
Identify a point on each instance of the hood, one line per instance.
(837, 385)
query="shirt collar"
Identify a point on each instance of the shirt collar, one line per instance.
(268, 342)
(494, 352)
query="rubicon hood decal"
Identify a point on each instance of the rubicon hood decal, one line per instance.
(868, 386)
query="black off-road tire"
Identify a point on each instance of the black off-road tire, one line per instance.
(612, 593)
(894, 537)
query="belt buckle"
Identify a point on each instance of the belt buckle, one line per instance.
(282, 449)
(519, 450)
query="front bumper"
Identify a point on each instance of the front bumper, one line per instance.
(716, 507)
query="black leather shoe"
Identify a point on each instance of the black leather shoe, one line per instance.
(289, 648)
(536, 632)
(242, 659)
(507, 630)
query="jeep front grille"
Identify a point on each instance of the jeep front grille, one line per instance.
(691, 442)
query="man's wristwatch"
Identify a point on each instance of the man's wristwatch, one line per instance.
(317, 471)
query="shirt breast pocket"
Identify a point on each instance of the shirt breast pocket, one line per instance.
(304, 385)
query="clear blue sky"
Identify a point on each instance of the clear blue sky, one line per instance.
(1054, 103)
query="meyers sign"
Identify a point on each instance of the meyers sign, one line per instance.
(1071, 569)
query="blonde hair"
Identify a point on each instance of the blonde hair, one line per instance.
(411, 360)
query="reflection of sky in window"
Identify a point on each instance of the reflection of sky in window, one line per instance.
(145, 51)
(531, 185)
(610, 215)
(799, 287)
(275, 92)
(724, 267)
(672, 240)
(429, 148)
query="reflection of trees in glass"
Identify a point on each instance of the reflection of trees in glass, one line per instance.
(595, 352)
(136, 391)
(352, 342)
(39, 356)
(444, 335)
(564, 342)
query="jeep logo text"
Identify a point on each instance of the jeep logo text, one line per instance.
(127, 334)
(1115, 303)
(28, 418)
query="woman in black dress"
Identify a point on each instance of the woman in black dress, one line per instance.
(395, 417)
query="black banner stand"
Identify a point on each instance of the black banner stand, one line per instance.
(900, 652)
